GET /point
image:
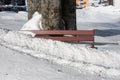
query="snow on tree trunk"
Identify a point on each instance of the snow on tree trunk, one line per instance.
(49, 10)
(52, 14)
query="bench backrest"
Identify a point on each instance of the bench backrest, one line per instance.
(64, 32)
(63, 35)
(66, 35)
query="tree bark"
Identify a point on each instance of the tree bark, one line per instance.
(69, 14)
(110, 2)
(54, 13)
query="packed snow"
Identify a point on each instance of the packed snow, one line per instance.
(102, 63)
(35, 23)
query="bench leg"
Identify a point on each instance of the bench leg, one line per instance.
(92, 45)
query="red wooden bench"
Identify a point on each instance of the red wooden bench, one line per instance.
(66, 35)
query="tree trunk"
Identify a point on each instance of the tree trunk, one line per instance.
(54, 13)
(110, 2)
(69, 14)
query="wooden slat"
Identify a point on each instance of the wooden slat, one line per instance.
(81, 38)
(65, 32)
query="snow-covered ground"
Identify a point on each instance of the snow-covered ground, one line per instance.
(105, 21)
(57, 60)
(11, 20)
(18, 66)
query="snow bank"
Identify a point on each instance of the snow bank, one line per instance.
(35, 23)
(77, 55)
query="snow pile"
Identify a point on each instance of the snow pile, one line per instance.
(35, 23)
(85, 59)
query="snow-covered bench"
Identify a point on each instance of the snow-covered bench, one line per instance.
(66, 35)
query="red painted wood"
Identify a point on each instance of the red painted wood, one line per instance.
(65, 32)
(81, 38)
(66, 35)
